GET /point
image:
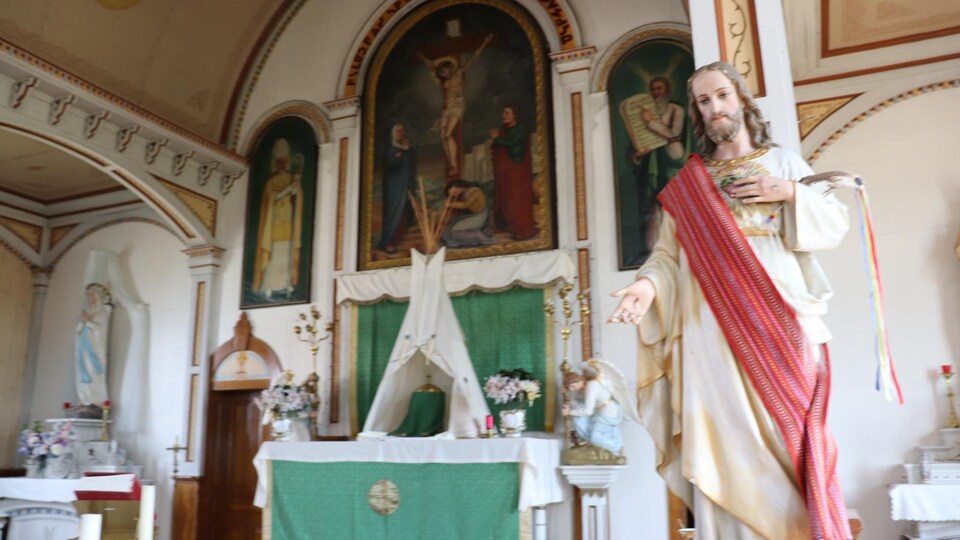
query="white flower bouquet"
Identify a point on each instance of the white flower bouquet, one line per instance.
(284, 399)
(509, 386)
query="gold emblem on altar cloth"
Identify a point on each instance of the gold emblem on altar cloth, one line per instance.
(384, 497)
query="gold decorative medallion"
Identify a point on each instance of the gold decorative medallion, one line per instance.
(384, 497)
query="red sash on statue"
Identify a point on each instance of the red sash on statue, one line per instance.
(765, 337)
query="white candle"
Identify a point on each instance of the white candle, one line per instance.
(90, 526)
(113, 446)
(148, 500)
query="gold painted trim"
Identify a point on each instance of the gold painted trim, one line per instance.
(539, 154)
(356, 65)
(197, 320)
(191, 419)
(205, 208)
(811, 114)
(550, 392)
(73, 80)
(249, 78)
(57, 233)
(586, 328)
(341, 202)
(739, 42)
(918, 91)
(31, 234)
(579, 167)
(335, 368)
(679, 37)
(306, 111)
(561, 23)
(354, 321)
(267, 525)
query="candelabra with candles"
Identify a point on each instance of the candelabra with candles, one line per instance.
(946, 371)
(308, 331)
(566, 326)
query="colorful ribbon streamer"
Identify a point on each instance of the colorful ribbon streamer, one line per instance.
(886, 376)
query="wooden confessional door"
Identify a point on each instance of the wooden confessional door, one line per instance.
(233, 437)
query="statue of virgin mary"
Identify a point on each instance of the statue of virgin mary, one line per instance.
(90, 349)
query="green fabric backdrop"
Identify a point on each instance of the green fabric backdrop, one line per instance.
(440, 501)
(505, 330)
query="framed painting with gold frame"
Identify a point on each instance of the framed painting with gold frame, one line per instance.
(281, 195)
(458, 91)
(651, 137)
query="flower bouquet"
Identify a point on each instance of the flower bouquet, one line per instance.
(282, 403)
(512, 387)
(40, 446)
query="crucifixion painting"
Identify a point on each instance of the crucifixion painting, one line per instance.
(457, 100)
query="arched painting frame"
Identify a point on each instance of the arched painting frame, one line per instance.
(500, 55)
(643, 158)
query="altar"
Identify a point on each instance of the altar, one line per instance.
(407, 488)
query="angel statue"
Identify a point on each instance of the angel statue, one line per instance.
(598, 403)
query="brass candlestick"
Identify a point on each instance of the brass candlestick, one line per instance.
(307, 331)
(952, 421)
(105, 426)
(566, 329)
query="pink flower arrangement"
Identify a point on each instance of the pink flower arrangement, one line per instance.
(37, 444)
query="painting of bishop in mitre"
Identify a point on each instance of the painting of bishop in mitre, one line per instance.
(280, 207)
(91, 343)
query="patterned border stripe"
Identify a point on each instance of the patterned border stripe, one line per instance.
(579, 168)
(913, 92)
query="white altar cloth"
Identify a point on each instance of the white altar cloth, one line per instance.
(39, 489)
(539, 457)
(925, 502)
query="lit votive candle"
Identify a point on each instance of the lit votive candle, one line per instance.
(946, 369)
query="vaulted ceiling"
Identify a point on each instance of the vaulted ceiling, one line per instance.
(183, 60)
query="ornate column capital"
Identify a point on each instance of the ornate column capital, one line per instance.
(573, 65)
(343, 112)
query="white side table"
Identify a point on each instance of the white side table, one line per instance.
(932, 509)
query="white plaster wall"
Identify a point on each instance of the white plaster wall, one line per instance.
(157, 273)
(905, 154)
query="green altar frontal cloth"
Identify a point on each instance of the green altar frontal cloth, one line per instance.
(415, 501)
(425, 415)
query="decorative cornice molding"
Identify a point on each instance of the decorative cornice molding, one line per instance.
(227, 180)
(125, 135)
(205, 170)
(21, 90)
(153, 149)
(339, 108)
(92, 123)
(58, 107)
(180, 160)
(560, 57)
(66, 79)
(204, 251)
